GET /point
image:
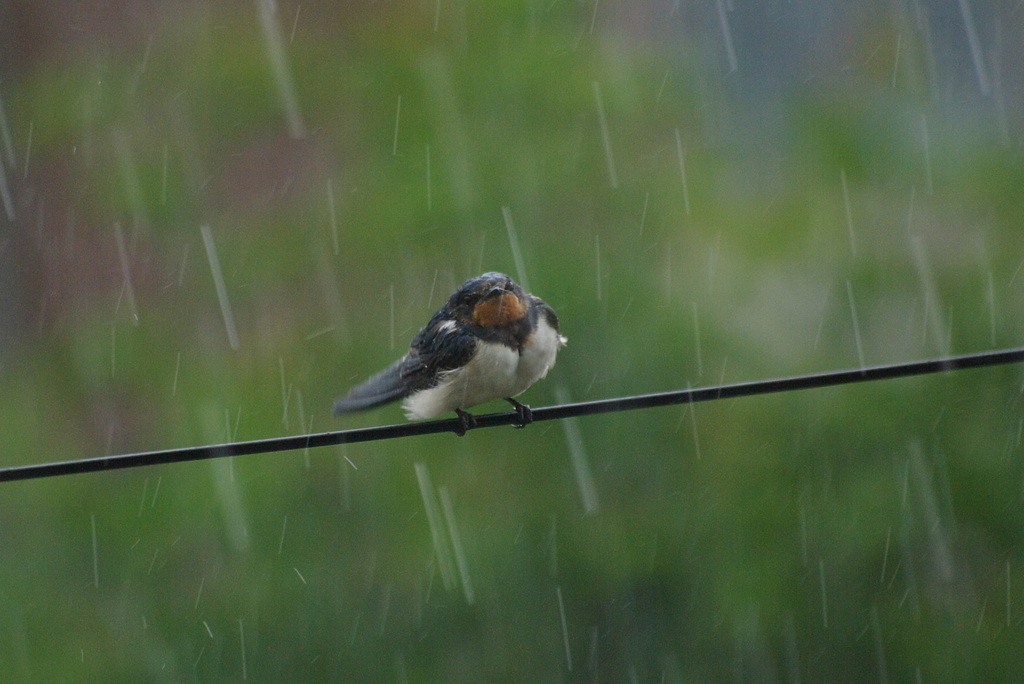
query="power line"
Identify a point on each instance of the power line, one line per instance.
(586, 408)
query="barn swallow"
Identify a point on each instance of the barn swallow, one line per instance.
(490, 341)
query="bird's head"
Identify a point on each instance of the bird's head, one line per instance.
(492, 300)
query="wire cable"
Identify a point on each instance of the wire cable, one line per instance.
(586, 408)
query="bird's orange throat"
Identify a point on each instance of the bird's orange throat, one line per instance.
(501, 311)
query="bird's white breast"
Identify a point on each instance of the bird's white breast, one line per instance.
(495, 372)
(538, 355)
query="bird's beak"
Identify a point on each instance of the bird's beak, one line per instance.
(495, 292)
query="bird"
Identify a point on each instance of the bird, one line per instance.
(490, 340)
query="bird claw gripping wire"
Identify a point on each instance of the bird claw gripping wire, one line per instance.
(466, 422)
(524, 416)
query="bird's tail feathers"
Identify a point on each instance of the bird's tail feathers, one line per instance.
(382, 388)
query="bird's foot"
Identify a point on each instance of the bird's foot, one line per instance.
(467, 422)
(524, 416)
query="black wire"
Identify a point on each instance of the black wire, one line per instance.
(585, 408)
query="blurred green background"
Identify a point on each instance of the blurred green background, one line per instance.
(705, 192)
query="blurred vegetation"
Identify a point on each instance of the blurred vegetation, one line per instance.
(862, 206)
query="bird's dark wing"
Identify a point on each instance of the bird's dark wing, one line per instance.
(442, 345)
(540, 308)
(438, 347)
(382, 388)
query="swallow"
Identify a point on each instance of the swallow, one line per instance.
(491, 340)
